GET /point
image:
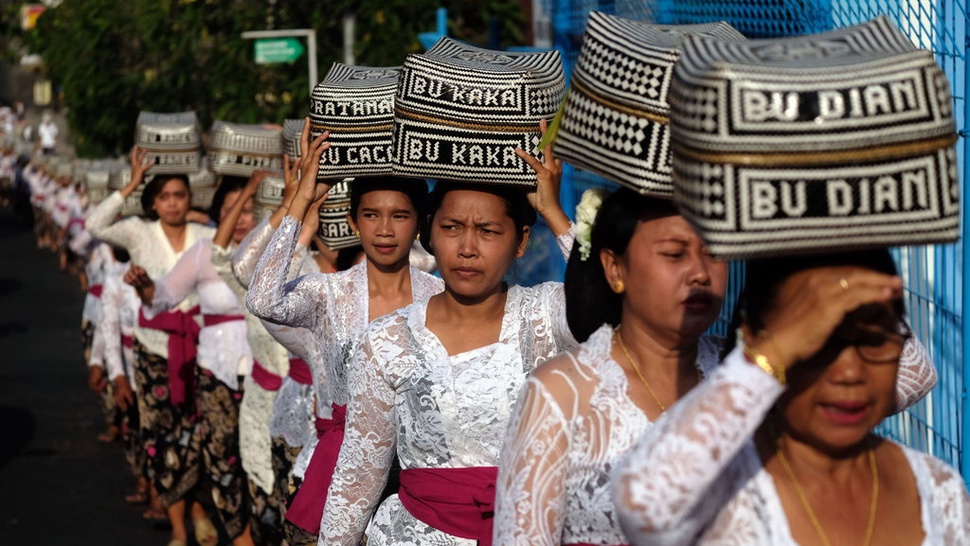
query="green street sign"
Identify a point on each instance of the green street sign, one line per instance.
(277, 50)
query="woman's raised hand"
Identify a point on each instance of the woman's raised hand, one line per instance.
(811, 304)
(309, 189)
(545, 198)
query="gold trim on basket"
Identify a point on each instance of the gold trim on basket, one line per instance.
(354, 129)
(473, 126)
(821, 158)
(656, 118)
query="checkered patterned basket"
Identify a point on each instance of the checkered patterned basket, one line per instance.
(616, 120)
(269, 196)
(240, 150)
(837, 141)
(334, 229)
(292, 131)
(460, 112)
(356, 104)
(173, 141)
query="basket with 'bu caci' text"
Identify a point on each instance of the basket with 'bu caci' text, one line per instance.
(616, 120)
(828, 142)
(356, 104)
(461, 111)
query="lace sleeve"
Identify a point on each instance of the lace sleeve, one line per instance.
(180, 281)
(369, 442)
(917, 374)
(530, 499)
(246, 255)
(112, 298)
(270, 297)
(673, 482)
(101, 223)
(553, 302)
(951, 503)
(97, 344)
(565, 241)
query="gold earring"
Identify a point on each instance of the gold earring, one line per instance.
(619, 287)
(357, 234)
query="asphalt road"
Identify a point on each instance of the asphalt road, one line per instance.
(58, 484)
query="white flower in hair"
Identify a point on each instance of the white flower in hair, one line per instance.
(589, 206)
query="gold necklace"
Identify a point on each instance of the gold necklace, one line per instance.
(636, 368)
(870, 527)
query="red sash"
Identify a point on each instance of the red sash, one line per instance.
(127, 341)
(265, 378)
(183, 336)
(306, 510)
(457, 501)
(300, 371)
(215, 320)
(96, 290)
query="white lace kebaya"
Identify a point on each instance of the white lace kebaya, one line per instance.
(149, 248)
(570, 430)
(571, 425)
(695, 478)
(437, 411)
(335, 308)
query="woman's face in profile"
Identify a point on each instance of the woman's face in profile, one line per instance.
(838, 396)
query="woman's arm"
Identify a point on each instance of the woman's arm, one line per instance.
(673, 482)
(227, 225)
(369, 442)
(176, 285)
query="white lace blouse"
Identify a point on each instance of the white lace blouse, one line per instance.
(696, 476)
(120, 305)
(293, 411)
(435, 410)
(149, 248)
(223, 348)
(334, 307)
(571, 425)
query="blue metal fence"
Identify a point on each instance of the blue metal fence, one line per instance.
(940, 424)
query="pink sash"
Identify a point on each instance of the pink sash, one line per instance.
(183, 336)
(457, 501)
(300, 371)
(307, 508)
(265, 378)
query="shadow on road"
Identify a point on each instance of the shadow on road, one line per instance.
(18, 426)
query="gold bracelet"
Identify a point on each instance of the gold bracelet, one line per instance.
(762, 362)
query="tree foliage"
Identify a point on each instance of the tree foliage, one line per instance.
(114, 58)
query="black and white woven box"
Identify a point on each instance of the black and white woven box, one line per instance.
(334, 228)
(292, 131)
(356, 104)
(461, 111)
(616, 120)
(203, 186)
(830, 142)
(96, 182)
(269, 196)
(173, 141)
(239, 150)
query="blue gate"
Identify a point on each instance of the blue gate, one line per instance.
(934, 275)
